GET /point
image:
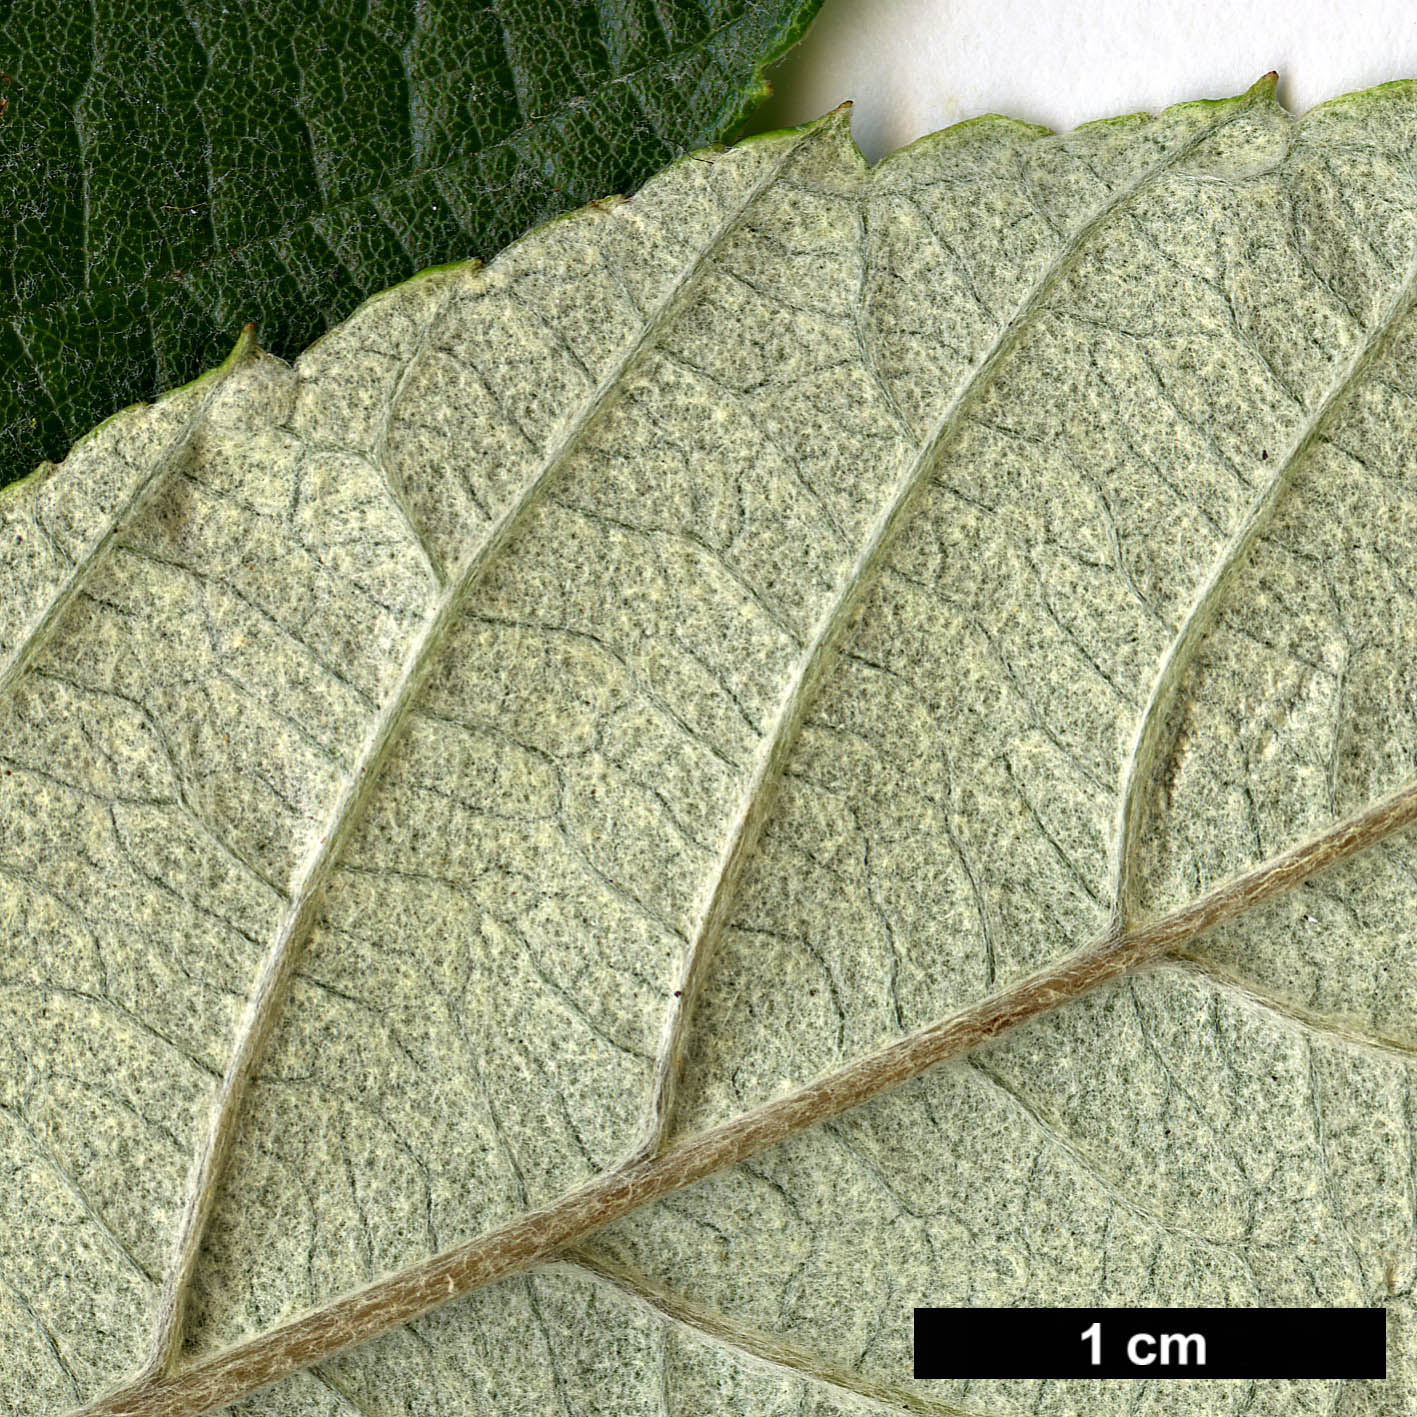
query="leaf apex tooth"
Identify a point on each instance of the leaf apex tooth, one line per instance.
(247, 346)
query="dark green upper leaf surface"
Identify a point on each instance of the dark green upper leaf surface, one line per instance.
(172, 171)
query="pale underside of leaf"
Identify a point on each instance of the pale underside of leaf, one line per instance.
(729, 632)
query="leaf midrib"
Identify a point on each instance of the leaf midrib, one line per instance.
(1140, 768)
(821, 653)
(299, 916)
(535, 1236)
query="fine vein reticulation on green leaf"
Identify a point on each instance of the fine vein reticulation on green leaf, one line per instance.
(175, 171)
(652, 772)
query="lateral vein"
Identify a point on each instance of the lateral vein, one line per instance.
(299, 915)
(1344, 1032)
(22, 657)
(1139, 770)
(821, 651)
(540, 1235)
(767, 1348)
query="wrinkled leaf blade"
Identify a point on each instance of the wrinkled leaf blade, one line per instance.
(1118, 384)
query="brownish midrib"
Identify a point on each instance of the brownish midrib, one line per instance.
(301, 913)
(829, 634)
(401, 1297)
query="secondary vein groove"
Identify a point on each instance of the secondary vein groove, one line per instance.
(299, 915)
(768, 1348)
(821, 651)
(539, 1235)
(1140, 768)
(35, 638)
(1345, 1032)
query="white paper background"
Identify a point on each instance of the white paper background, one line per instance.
(912, 66)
